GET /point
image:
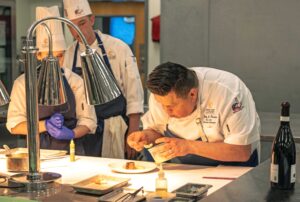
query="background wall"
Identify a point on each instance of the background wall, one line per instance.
(25, 16)
(153, 47)
(257, 40)
(25, 10)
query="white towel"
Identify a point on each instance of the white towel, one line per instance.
(114, 138)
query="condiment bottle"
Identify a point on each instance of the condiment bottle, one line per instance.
(161, 183)
(72, 151)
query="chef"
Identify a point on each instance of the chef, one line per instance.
(114, 117)
(202, 115)
(58, 124)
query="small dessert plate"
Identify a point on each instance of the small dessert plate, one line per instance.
(139, 167)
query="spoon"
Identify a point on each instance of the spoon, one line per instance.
(7, 150)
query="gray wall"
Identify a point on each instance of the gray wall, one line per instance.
(258, 40)
(25, 10)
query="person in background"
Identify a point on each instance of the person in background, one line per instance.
(113, 118)
(203, 115)
(58, 124)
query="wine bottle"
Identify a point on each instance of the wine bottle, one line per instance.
(283, 162)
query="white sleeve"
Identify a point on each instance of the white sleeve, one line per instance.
(85, 113)
(241, 125)
(17, 106)
(133, 90)
(69, 56)
(155, 118)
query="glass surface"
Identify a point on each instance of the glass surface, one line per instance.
(5, 46)
(156, 154)
(121, 27)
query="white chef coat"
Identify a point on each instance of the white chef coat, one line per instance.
(124, 67)
(85, 113)
(225, 112)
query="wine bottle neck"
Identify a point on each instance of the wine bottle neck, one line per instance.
(285, 119)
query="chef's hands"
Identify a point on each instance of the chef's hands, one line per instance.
(54, 126)
(137, 140)
(173, 147)
(56, 119)
(63, 133)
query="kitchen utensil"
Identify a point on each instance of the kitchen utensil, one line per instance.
(7, 150)
(129, 196)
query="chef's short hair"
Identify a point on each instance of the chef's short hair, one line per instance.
(171, 76)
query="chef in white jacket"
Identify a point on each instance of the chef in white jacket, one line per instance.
(113, 118)
(203, 115)
(57, 124)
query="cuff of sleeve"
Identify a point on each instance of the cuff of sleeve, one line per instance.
(13, 122)
(134, 108)
(88, 123)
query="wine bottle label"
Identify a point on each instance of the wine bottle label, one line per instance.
(293, 173)
(274, 173)
(285, 118)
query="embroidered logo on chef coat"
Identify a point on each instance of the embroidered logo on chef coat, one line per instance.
(210, 116)
(111, 54)
(237, 106)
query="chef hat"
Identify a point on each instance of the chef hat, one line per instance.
(76, 8)
(55, 26)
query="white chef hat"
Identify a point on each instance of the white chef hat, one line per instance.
(76, 8)
(55, 26)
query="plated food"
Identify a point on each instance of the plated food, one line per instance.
(130, 165)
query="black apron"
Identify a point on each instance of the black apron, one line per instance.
(199, 160)
(70, 121)
(92, 143)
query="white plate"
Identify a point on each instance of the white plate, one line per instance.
(142, 167)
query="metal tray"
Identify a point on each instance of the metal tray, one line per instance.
(100, 184)
(192, 190)
(180, 199)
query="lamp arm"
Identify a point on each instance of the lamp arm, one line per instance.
(32, 28)
(50, 53)
(97, 75)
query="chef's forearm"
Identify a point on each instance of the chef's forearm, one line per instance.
(21, 128)
(80, 131)
(134, 122)
(219, 151)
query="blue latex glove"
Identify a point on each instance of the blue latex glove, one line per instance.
(63, 133)
(56, 119)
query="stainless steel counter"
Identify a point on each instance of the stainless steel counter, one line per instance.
(255, 186)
